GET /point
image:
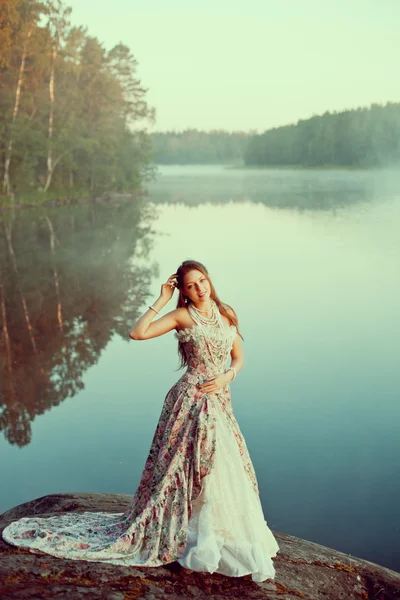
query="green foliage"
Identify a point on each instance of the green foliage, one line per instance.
(94, 129)
(198, 147)
(366, 137)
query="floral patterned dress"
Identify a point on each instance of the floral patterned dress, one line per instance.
(197, 501)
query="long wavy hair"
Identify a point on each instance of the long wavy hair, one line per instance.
(184, 301)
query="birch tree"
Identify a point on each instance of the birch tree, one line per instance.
(72, 115)
(29, 14)
(57, 25)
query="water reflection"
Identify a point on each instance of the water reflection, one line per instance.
(317, 294)
(277, 188)
(70, 278)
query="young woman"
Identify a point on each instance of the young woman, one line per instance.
(197, 501)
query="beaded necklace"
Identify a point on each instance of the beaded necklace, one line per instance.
(200, 320)
(217, 343)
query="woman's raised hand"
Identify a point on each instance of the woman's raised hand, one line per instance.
(167, 289)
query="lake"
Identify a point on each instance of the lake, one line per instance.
(310, 261)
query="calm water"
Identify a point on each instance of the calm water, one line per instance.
(310, 260)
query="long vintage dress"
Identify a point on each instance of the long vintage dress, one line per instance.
(197, 501)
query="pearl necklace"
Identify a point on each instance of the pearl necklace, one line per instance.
(202, 311)
(198, 317)
(215, 345)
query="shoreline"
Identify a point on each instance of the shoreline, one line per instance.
(55, 202)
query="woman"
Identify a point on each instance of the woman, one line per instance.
(197, 500)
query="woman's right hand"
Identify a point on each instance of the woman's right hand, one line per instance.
(167, 289)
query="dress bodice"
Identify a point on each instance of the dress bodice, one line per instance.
(207, 348)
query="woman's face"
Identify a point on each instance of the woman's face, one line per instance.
(196, 287)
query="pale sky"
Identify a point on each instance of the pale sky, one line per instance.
(253, 64)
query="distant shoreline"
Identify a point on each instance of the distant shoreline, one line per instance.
(299, 168)
(233, 167)
(53, 202)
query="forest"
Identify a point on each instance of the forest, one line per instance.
(365, 137)
(74, 119)
(72, 114)
(192, 146)
(360, 138)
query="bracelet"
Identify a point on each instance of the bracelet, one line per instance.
(155, 310)
(234, 371)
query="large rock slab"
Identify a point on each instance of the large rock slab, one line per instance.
(304, 569)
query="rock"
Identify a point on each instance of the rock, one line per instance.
(304, 570)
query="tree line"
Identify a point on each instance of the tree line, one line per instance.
(364, 137)
(192, 146)
(71, 113)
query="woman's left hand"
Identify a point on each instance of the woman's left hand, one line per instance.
(213, 384)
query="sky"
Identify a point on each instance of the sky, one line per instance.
(249, 65)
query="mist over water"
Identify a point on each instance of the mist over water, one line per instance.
(308, 259)
(300, 189)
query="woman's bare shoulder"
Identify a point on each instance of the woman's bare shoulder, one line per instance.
(183, 318)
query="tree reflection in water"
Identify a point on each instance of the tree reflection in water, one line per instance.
(70, 278)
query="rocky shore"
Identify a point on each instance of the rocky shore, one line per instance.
(304, 570)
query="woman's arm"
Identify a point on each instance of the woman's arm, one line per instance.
(144, 329)
(237, 358)
(236, 352)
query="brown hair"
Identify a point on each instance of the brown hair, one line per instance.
(183, 301)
